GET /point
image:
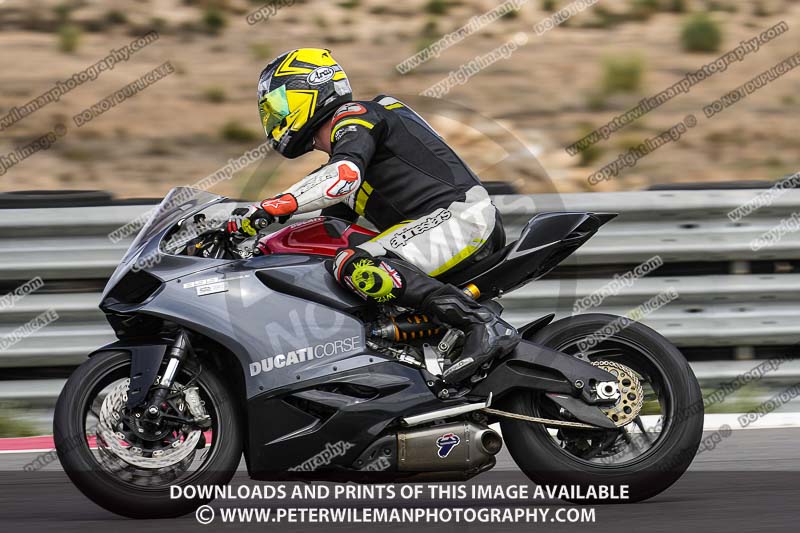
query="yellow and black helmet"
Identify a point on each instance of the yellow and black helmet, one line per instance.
(296, 93)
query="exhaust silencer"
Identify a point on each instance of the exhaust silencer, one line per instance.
(460, 446)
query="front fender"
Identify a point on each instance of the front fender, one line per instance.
(146, 358)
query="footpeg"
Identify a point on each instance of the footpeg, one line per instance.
(433, 363)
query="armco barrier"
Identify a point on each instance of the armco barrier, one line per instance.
(729, 295)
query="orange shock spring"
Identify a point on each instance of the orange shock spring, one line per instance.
(412, 327)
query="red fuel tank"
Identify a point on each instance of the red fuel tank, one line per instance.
(319, 236)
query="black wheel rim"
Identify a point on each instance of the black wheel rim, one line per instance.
(134, 477)
(631, 444)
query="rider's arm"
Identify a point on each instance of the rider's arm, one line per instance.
(353, 142)
(342, 211)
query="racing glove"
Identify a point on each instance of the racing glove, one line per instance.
(279, 208)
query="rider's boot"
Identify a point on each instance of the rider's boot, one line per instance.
(394, 281)
(487, 335)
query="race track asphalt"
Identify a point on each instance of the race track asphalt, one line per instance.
(749, 482)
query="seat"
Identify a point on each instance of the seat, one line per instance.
(461, 276)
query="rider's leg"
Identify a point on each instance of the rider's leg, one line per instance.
(400, 283)
(487, 335)
(442, 241)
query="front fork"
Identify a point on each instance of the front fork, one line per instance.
(175, 357)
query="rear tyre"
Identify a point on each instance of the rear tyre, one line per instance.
(647, 461)
(125, 489)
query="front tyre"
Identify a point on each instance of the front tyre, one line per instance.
(650, 449)
(127, 466)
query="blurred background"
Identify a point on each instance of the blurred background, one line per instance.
(511, 120)
(547, 94)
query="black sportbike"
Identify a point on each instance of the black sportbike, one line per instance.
(228, 346)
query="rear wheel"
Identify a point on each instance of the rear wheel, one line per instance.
(127, 465)
(659, 413)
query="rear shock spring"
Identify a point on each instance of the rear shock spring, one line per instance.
(405, 327)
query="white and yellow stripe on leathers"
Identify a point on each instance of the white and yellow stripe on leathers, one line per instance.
(444, 238)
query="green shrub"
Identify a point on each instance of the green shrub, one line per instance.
(116, 16)
(760, 10)
(643, 9)
(350, 4)
(436, 7)
(590, 153)
(717, 5)
(701, 34)
(63, 12)
(214, 20)
(622, 74)
(596, 101)
(215, 95)
(158, 24)
(676, 6)
(235, 132)
(261, 51)
(430, 29)
(628, 143)
(510, 15)
(320, 22)
(69, 37)
(549, 5)
(602, 18)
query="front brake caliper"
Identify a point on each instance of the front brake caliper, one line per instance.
(196, 407)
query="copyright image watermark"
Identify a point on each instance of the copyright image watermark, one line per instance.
(324, 457)
(120, 95)
(469, 69)
(770, 405)
(776, 234)
(51, 456)
(29, 328)
(177, 242)
(615, 286)
(474, 25)
(90, 73)
(222, 174)
(760, 81)
(267, 11)
(630, 158)
(348, 508)
(620, 323)
(562, 15)
(765, 198)
(716, 396)
(41, 143)
(10, 299)
(682, 86)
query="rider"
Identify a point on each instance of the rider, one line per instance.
(388, 165)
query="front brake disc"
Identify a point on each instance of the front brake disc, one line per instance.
(110, 414)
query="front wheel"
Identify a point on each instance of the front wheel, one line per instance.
(125, 463)
(659, 413)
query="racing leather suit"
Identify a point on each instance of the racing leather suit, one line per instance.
(388, 165)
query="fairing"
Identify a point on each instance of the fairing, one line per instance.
(297, 336)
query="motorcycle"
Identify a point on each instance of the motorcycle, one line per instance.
(229, 347)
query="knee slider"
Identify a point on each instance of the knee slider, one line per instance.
(368, 276)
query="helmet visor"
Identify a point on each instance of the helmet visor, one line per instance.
(273, 108)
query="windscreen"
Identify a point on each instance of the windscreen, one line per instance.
(179, 203)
